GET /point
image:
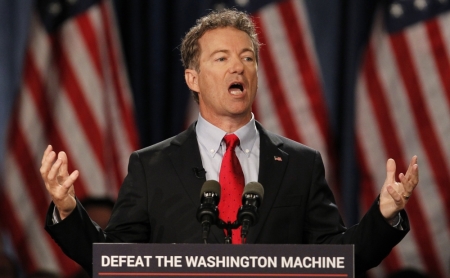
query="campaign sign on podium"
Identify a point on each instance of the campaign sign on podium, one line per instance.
(222, 260)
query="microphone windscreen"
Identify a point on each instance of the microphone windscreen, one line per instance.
(254, 188)
(210, 186)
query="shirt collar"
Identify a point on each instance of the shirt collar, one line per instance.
(210, 136)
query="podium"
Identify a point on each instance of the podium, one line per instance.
(222, 260)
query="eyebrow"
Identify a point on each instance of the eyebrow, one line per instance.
(228, 51)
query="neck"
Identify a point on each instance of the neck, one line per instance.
(227, 123)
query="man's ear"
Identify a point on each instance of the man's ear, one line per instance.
(191, 77)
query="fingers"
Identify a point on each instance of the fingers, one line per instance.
(46, 152)
(412, 167)
(411, 178)
(398, 199)
(54, 170)
(71, 179)
(47, 162)
(63, 170)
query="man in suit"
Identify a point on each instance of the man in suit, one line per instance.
(158, 199)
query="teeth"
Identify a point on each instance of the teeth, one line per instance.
(235, 92)
(236, 87)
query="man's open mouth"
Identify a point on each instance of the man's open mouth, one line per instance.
(236, 88)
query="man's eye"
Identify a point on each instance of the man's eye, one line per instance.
(248, 59)
(221, 59)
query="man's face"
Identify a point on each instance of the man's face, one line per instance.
(227, 80)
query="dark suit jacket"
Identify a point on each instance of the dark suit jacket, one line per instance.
(159, 198)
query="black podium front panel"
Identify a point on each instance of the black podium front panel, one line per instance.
(220, 260)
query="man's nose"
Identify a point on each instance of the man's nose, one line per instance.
(237, 66)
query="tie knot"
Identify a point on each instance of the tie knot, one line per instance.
(231, 140)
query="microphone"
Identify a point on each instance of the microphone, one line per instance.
(252, 198)
(207, 212)
(200, 173)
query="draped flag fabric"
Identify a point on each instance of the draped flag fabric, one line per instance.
(403, 109)
(290, 98)
(74, 96)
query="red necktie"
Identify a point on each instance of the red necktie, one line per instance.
(231, 179)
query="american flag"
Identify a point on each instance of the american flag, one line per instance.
(290, 98)
(75, 96)
(403, 109)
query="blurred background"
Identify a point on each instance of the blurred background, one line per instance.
(361, 81)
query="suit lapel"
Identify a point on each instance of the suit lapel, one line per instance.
(185, 157)
(272, 165)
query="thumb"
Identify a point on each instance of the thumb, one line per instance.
(390, 171)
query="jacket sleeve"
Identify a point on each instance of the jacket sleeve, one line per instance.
(373, 237)
(128, 223)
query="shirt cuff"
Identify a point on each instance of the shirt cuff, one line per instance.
(397, 221)
(56, 218)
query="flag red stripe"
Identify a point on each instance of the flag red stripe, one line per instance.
(392, 262)
(312, 84)
(31, 177)
(118, 178)
(393, 147)
(49, 73)
(28, 169)
(125, 110)
(19, 239)
(91, 42)
(114, 178)
(32, 79)
(276, 88)
(440, 55)
(110, 157)
(69, 81)
(427, 133)
(310, 75)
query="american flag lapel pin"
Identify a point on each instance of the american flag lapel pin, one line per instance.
(277, 158)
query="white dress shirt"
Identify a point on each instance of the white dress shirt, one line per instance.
(212, 148)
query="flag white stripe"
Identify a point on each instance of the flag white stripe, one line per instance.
(32, 129)
(443, 22)
(265, 105)
(403, 120)
(63, 113)
(40, 45)
(284, 61)
(75, 138)
(407, 129)
(120, 67)
(68, 126)
(394, 90)
(409, 140)
(434, 94)
(87, 77)
(19, 197)
(301, 11)
(370, 138)
(118, 124)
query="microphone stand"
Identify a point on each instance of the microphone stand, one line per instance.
(228, 226)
